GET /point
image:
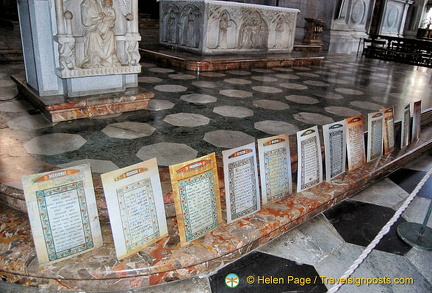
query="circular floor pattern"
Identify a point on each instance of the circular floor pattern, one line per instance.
(348, 91)
(302, 99)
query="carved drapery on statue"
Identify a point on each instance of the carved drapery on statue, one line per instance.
(216, 27)
(100, 43)
(97, 37)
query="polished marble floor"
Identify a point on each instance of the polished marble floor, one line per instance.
(194, 114)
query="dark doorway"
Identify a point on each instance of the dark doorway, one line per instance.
(149, 7)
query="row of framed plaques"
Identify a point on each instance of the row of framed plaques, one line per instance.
(63, 212)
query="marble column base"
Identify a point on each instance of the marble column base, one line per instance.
(304, 56)
(62, 108)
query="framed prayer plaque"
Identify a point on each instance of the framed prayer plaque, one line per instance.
(335, 149)
(416, 122)
(241, 182)
(135, 206)
(405, 126)
(196, 196)
(63, 213)
(375, 136)
(275, 167)
(389, 137)
(310, 170)
(355, 142)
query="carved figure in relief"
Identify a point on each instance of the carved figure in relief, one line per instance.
(172, 28)
(281, 35)
(67, 53)
(132, 46)
(67, 46)
(224, 24)
(253, 33)
(279, 32)
(100, 43)
(122, 10)
(191, 32)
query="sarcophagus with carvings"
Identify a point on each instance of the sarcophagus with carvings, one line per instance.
(217, 27)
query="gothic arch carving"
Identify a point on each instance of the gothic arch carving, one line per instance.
(190, 26)
(253, 32)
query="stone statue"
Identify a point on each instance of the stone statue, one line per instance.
(100, 43)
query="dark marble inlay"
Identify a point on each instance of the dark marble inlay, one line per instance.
(359, 223)
(408, 180)
(262, 268)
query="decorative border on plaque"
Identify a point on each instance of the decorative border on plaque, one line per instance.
(389, 131)
(50, 244)
(375, 136)
(355, 142)
(282, 186)
(148, 196)
(357, 161)
(231, 167)
(196, 193)
(311, 140)
(337, 133)
(183, 184)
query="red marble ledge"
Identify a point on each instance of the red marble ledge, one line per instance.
(166, 260)
(61, 108)
(193, 62)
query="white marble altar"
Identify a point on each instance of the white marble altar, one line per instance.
(77, 48)
(217, 27)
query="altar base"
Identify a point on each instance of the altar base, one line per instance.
(62, 108)
(301, 56)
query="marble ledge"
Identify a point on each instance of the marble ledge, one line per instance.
(166, 260)
(61, 108)
(193, 62)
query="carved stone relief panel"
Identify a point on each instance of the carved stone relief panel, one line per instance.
(253, 32)
(282, 31)
(97, 37)
(222, 29)
(190, 26)
(181, 23)
(227, 26)
(169, 24)
(394, 17)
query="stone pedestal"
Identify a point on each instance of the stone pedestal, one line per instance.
(60, 108)
(78, 49)
(218, 27)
